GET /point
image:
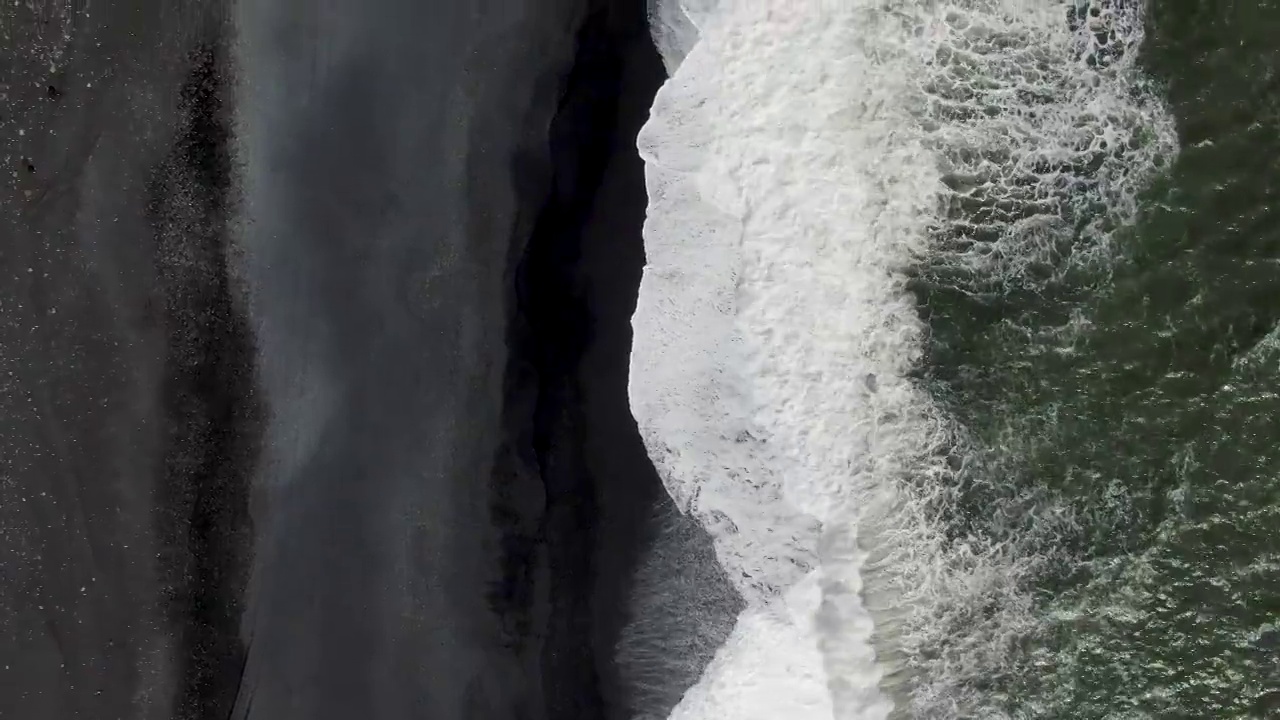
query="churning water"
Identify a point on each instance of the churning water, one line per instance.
(959, 333)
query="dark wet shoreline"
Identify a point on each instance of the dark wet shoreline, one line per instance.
(553, 328)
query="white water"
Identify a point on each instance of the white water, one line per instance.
(795, 165)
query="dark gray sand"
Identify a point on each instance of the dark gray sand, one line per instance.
(314, 370)
(127, 419)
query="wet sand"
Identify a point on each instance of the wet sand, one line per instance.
(379, 141)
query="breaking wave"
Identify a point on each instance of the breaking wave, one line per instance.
(805, 160)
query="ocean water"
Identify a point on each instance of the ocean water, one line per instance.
(958, 331)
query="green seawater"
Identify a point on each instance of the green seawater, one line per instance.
(1134, 404)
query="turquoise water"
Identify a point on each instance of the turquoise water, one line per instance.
(1124, 408)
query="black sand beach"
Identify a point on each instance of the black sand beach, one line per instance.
(314, 347)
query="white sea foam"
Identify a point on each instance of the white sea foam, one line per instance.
(803, 155)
